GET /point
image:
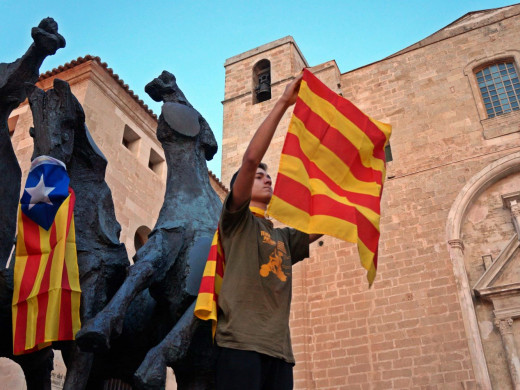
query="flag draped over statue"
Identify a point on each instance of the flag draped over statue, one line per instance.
(46, 296)
(332, 170)
(206, 307)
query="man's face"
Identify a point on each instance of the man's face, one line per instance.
(262, 187)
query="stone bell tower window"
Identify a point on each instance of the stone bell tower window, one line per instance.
(262, 81)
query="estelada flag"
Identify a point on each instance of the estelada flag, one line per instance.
(332, 170)
(206, 307)
(46, 294)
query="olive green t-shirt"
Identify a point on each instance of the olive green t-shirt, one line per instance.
(255, 297)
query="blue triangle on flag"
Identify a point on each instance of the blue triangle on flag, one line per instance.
(46, 188)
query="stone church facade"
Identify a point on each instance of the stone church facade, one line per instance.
(442, 313)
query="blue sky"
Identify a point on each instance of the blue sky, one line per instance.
(192, 39)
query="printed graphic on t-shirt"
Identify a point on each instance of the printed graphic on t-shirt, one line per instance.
(266, 237)
(275, 258)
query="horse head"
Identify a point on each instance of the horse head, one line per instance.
(57, 114)
(182, 120)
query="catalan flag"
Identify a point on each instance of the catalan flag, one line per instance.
(46, 295)
(206, 307)
(332, 170)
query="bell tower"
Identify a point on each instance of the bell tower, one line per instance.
(254, 82)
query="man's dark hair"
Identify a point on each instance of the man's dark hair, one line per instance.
(261, 165)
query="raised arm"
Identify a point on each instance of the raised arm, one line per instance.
(259, 143)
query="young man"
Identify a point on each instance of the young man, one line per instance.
(255, 298)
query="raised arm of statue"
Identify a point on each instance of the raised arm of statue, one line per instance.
(13, 81)
(26, 69)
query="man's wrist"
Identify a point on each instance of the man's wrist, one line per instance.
(284, 103)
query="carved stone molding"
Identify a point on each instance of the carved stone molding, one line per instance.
(457, 243)
(506, 331)
(511, 201)
(505, 326)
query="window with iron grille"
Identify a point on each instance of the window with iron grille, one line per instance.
(500, 88)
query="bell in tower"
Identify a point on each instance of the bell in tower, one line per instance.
(262, 81)
(263, 91)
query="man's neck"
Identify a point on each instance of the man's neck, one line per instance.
(259, 205)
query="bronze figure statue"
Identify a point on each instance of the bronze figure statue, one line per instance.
(138, 319)
(13, 79)
(171, 262)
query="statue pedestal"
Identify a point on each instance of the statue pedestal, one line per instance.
(11, 376)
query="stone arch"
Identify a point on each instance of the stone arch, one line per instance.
(488, 59)
(491, 174)
(141, 236)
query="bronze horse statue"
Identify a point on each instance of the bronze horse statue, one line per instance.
(59, 131)
(171, 263)
(153, 307)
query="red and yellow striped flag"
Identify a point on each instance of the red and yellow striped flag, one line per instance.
(332, 170)
(46, 296)
(206, 307)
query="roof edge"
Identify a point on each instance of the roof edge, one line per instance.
(421, 44)
(263, 48)
(110, 71)
(122, 84)
(429, 40)
(219, 182)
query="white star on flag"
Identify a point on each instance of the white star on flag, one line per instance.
(39, 194)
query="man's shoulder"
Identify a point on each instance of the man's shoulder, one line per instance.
(230, 221)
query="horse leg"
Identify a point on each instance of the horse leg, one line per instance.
(93, 296)
(78, 365)
(95, 335)
(163, 245)
(151, 374)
